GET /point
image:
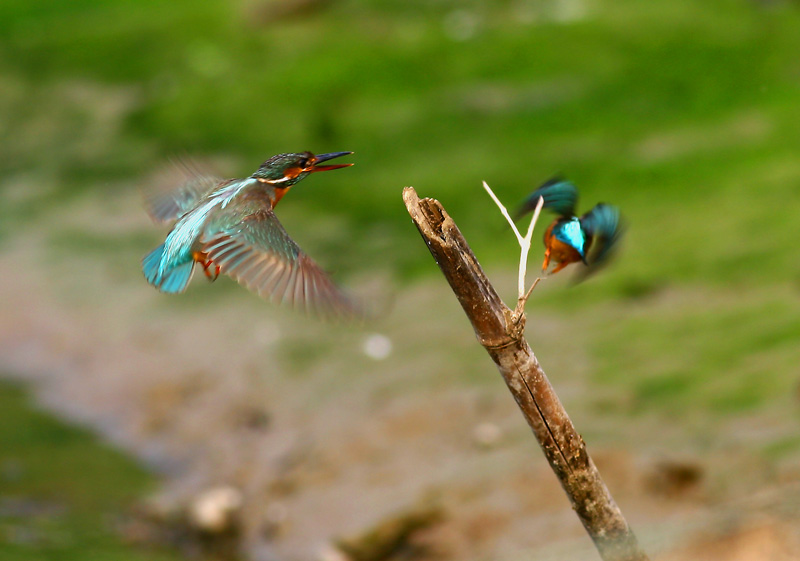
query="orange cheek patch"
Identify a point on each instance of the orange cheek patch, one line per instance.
(291, 173)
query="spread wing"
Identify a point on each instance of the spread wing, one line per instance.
(602, 224)
(252, 246)
(170, 203)
(559, 195)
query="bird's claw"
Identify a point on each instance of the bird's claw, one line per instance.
(209, 275)
(206, 263)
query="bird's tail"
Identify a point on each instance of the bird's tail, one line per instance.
(172, 281)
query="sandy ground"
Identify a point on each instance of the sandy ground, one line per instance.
(216, 387)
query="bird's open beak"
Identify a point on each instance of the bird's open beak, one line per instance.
(325, 157)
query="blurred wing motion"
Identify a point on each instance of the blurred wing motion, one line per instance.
(560, 196)
(252, 246)
(167, 205)
(602, 224)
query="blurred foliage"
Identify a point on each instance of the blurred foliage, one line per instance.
(704, 353)
(62, 490)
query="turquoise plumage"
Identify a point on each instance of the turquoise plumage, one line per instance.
(571, 233)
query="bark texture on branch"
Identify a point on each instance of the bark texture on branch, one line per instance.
(502, 335)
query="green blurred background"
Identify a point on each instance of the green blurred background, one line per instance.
(684, 114)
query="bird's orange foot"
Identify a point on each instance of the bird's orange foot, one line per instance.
(559, 267)
(207, 270)
(211, 277)
(203, 259)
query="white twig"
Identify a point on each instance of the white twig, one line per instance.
(524, 244)
(503, 210)
(523, 258)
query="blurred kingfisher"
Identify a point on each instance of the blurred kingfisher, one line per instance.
(229, 226)
(589, 239)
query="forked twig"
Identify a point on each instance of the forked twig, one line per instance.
(525, 247)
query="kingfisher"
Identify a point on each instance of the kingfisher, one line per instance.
(589, 239)
(229, 226)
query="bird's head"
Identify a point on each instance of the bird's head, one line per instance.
(284, 170)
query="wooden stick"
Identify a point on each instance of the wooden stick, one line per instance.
(502, 335)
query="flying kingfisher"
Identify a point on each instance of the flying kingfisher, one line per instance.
(229, 226)
(589, 239)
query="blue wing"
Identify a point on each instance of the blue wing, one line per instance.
(560, 196)
(170, 203)
(603, 226)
